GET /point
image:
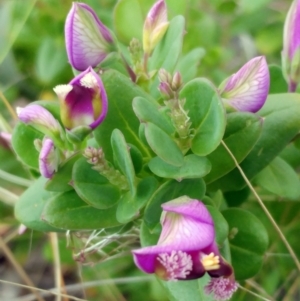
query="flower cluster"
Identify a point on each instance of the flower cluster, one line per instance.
(186, 248)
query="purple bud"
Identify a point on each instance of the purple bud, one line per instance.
(247, 90)
(87, 39)
(48, 159)
(155, 25)
(39, 117)
(186, 248)
(83, 101)
(291, 46)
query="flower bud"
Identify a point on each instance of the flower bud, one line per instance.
(40, 118)
(291, 46)
(48, 158)
(88, 41)
(247, 90)
(83, 101)
(155, 26)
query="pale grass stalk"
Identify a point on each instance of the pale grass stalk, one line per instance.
(15, 179)
(8, 197)
(57, 265)
(292, 290)
(266, 211)
(43, 292)
(286, 282)
(8, 106)
(254, 294)
(259, 289)
(77, 287)
(9, 255)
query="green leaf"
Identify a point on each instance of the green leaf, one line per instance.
(206, 113)
(149, 237)
(163, 145)
(148, 111)
(120, 91)
(166, 54)
(51, 59)
(188, 64)
(130, 205)
(128, 20)
(23, 144)
(168, 50)
(221, 226)
(279, 178)
(136, 157)
(193, 188)
(193, 167)
(242, 132)
(29, 208)
(123, 158)
(60, 181)
(67, 211)
(281, 124)
(248, 240)
(190, 290)
(277, 81)
(92, 187)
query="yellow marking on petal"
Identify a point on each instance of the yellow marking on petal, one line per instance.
(210, 262)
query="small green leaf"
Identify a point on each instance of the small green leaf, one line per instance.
(92, 187)
(193, 167)
(61, 180)
(242, 132)
(136, 157)
(129, 206)
(206, 113)
(120, 92)
(29, 208)
(167, 52)
(128, 20)
(193, 188)
(23, 144)
(162, 144)
(67, 211)
(279, 178)
(220, 224)
(149, 237)
(277, 81)
(123, 158)
(281, 124)
(148, 111)
(248, 240)
(188, 64)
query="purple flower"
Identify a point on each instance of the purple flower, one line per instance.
(40, 118)
(291, 46)
(155, 26)
(48, 158)
(186, 248)
(247, 90)
(83, 101)
(88, 41)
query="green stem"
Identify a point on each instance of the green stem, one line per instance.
(264, 208)
(8, 197)
(14, 179)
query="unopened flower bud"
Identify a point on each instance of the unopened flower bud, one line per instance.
(88, 41)
(291, 46)
(176, 81)
(48, 158)
(247, 90)
(155, 26)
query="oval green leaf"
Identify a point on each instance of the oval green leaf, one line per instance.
(163, 145)
(92, 187)
(67, 211)
(193, 167)
(206, 113)
(242, 132)
(279, 178)
(248, 240)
